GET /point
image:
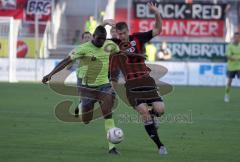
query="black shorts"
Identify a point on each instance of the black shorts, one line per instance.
(233, 74)
(143, 90)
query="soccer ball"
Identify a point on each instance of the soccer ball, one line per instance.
(115, 135)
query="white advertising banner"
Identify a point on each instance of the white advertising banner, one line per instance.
(178, 73)
(210, 74)
(4, 69)
(26, 69)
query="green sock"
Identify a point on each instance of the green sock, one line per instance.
(109, 123)
(227, 90)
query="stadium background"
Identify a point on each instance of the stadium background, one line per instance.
(197, 46)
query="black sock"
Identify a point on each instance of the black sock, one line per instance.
(76, 111)
(152, 132)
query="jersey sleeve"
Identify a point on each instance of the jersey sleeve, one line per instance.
(77, 53)
(144, 36)
(111, 47)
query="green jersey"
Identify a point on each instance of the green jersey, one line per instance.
(95, 62)
(233, 50)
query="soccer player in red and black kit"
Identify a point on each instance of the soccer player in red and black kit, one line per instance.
(141, 89)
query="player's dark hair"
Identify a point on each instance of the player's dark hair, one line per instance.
(85, 33)
(100, 30)
(121, 25)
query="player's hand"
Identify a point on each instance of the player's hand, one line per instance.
(110, 22)
(46, 79)
(153, 7)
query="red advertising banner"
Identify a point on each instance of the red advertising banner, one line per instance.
(190, 28)
(27, 9)
(176, 27)
(13, 8)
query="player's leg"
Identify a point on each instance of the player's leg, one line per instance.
(87, 109)
(158, 108)
(107, 102)
(139, 92)
(79, 84)
(230, 75)
(150, 128)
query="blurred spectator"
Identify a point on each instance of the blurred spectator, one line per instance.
(77, 38)
(113, 32)
(164, 52)
(90, 24)
(86, 36)
(151, 51)
(8, 4)
(231, 19)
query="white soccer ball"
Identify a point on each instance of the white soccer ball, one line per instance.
(115, 135)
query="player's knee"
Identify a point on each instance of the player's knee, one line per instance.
(144, 113)
(160, 111)
(159, 108)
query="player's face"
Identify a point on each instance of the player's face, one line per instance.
(113, 32)
(86, 38)
(99, 40)
(123, 34)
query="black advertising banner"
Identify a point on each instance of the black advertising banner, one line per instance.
(195, 11)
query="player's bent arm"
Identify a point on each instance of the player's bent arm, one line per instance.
(158, 24)
(61, 65)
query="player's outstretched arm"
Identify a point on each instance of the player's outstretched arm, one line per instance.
(158, 24)
(58, 68)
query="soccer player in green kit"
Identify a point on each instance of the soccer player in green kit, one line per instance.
(233, 64)
(86, 36)
(93, 55)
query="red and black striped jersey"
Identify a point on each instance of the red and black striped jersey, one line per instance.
(131, 62)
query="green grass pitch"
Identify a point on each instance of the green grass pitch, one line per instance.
(198, 126)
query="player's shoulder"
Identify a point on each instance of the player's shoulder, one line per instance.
(141, 33)
(84, 46)
(110, 46)
(109, 41)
